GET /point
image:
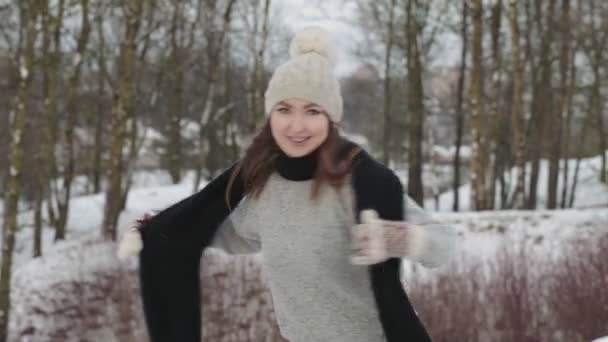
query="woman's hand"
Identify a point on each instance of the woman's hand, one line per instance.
(375, 240)
(131, 242)
(367, 241)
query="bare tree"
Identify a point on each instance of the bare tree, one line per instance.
(415, 95)
(495, 166)
(214, 37)
(556, 122)
(478, 123)
(68, 162)
(28, 15)
(258, 45)
(542, 97)
(568, 83)
(464, 34)
(181, 38)
(122, 112)
(101, 79)
(386, 109)
(517, 115)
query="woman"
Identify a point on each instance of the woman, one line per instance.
(329, 220)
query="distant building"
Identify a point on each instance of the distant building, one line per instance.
(441, 81)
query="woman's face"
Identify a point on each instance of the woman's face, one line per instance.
(298, 126)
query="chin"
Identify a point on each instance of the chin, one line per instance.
(295, 152)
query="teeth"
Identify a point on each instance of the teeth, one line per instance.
(298, 140)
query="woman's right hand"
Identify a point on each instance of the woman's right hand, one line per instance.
(140, 222)
(131, 242)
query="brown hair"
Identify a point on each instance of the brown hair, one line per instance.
(258, 163)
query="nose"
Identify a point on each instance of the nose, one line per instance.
(296, 123)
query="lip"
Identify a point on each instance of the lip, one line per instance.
(298, 140)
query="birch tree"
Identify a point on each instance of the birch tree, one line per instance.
(416, 111)
(215, 34)
(464, 34)
(517, 115)
(478, 122)
(28, 17)
(386, 109)
(542, 93)
(122, 112)
(68, 162)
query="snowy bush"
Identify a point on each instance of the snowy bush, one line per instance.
(520, 294)
(80, 292)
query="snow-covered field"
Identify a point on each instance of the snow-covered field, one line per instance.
(590, 192)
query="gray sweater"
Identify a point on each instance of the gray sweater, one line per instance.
(318, 295)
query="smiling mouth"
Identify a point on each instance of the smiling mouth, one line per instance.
(297, 140)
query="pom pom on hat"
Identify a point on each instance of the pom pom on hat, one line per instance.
(313, 39)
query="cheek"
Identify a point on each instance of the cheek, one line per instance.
(276, 125)
(321, 127)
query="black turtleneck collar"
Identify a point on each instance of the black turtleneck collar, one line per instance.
(298, 168)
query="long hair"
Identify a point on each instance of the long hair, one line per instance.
(258, 163)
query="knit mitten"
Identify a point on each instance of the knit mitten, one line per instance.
(376, 240)
(131, 242)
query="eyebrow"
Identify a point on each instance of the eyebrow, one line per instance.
(310, 105)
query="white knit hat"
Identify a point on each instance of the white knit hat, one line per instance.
(308, 74)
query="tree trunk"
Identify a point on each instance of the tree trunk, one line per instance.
(214, 49)
(98, 139)
(386, 137)
(479, 158)
(256, 82)
(459, 104)
(542, 103)
(175, 109)
(43, 155)
(259, 67)
(72, 111)
(600, 126)
(579, 154)
(415, 96)
(556, 124)
(51, 60)
(595, 50)
(28, 18)
(122, 112)
(101, 108)
(517, 115)
(496, 122)
(568, 93)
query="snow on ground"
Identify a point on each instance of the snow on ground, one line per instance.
(590, 192)
(150, 191)
(481, 235)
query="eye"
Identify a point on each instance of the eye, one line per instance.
(283, 110)
(313, 112)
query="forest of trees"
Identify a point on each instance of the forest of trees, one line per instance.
(83, 81)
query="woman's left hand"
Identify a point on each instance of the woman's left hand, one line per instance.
(375, 240)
